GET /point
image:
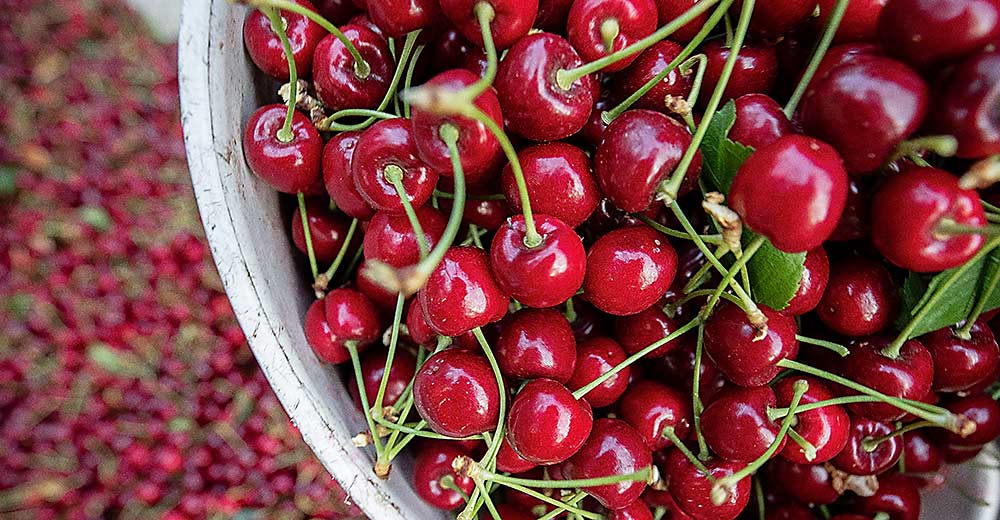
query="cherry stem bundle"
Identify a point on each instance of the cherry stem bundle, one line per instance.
(359, 377)
(285, 134)
(832, 24)
(304, 215)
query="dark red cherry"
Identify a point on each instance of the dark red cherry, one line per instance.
(924, 33)
(385, 148)
(628, 270)
(815, 275)
(790, 511)
(860, 22)
(907, 211)
(651, 407)
(736, 426)
(338, 12)
(984, 412)
(825, 428)
(264, 46)
(291, 167)
(921, 454)
(613, 448)
(416, 326)
(805, 483)
(533, 103)
(678, 370)
(668, 10)
(338, 84)
(773, 18)
(546, 424)
(755, 71)
(343, 315)
(746, 361)
(855, 221)
(327, 229)
(397, 18)
(897, 495)
(511, 19)
(461, 294)
(592, 24)
(552, 15)
(808, 176)
(965, 106)
(640, 149)
(759, 121)
(541, 276)
(857, 460)
(649, 63)
(594, 357)
(536, 343)
(637, 331)
(637, 510)
(337, 156)
(477, 147)
(961, 454)
(865, 108)
(589, 322)
(390, 238)
(404, 365)
(860, 297)
(839, 55)
(509, 461)
(433, 463)
(456, 393)
(908, 376)
(960, 364)
(508, 512)
(560, 182)
(693, 492)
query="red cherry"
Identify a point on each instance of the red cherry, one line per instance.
(965, 106)
(390, 238)
(354, 318)
(984, 412)
(373, 289)
(628, 270)
(509, 461)
(857, 460)
(961, 454)
(637, 510)
(804, 173)
(383, 148)
(746, 361)
(860, 22)
(839, 55)
(613, 448)
(637, 331)
(398, 18)
(671, 9)
(541, 276)
(416, 326)
(897, 495)
(815, 275)
(433, 463)
(920, 454)
(590, 21)
(907, 211)
(860, 297)
(790, 511)
(546, 424)
(337, 177)
(589, 322)
(678, 369)
(825, 428)
(929, 32)
(640, 149)
(264, 46)
(536, 343)
(404, 365)
(559, 180)
(855, 221)
(648, 64)
(736, 425)
(327, 229)
(456, 393)
(534, 105)
(772, 18)
(908, 376)
(865, 108)
(594, 357)
(338, 84)
(552, 15)
(461, 294)
(693, 492)
(960, 364)
(338, 12)
(511, 19)
(651, 407)
(291, 167)
(755, 71)
(805, 483)
(759, 121)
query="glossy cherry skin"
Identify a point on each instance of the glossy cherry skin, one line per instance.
(865, 108)
(391, 143)
(327, 229)
(628, 270)
(343, 315)
(637, 331)
(729, 340)
(671, 9)
(536, 343)
(772, 18)
(433, 463)
(961, 364)
(636, 19)
(560, 182)
(511, 19)
(337, 84)
(541, 276)
(337, 156)
(461, 294)
(594, 357)
(897, 495)
(907, 210)
(755, 71)
(374, 289)
(291, 167)
(965, 106)
(637, 510)
(264, 46)
(416, 326)
(692, 491)
(650, 407)
(736, 426)
(856, 460)
(546, 424)
(404, 365)
(980, 409)
(649, 63)
(860, 22)
(855, 221)
(510, 462)
(826, 428)
(534, 105)
(815, 275)
(921, 454)
(456, 393)
(808, 176)
(613, 448)
(477, 147)
(805, 483)
(860, 297)
(908, 376)
(399, 17)
(640, 149)
(934, 32)
(390, 238)
(759, 121)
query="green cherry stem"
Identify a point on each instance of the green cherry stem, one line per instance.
(829, 345)
(285, 134)
(394, 174)
(418, 430)
(697, 406)
(352, 348)
(777, 413)
(670, 435)
(467, 466)
(484, 16)
(572, 500)
(730, 276)
(324, 279)
(558, 504)
(948, 227)
(836, 15)
(758, 492)
(990, 207)
(965, 331)
(808, 448)
(941, 145)
(485, 494)
(446, 195)
(708, 239)
(701, 61)
(870, 444)
(397, 318)
(448, 482)
(304, 214)
(408, 79)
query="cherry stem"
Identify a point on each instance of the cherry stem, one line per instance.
(829, 345)
(390, 355)
(582, 391)
(965, 331)
(484, 16)
(408, 79)
(418, 430)
(720, 491)
(701, 275)
(947, 227)
(352, 348)
(892, 351)
(324, 279)
(702, 62)
(558, 504)
(730, 276)
(570, 310)
(942, 145)
(484, 493)
(572, 500)
(278, 23)
(808, 449)
(330, 124)
(836, 15)
(639, 476)
(304, 214)
(394, 174)
(777, 413)
(448, 482)
(758, 491)
(981, 175)
(697, 406)
(695, 461)
(610, 29)
(566, 77)
(870, 444)
(669, 189)
(446, 195)
(709, 239)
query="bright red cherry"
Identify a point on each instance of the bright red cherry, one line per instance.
(388, 148)
(773, 18)
(431, 467)
(746, 361)
(693, 492)
(759, 121)
(594, 24)
(264, 46)
(337, 83)
(456, 393)
(628, 270)
(670, 9)
(398, 18)
(544, 275)
(536, 343)
(511, 19)
(857, 459)
(404, 365)
(755, 71)
(327, 229)
(637, 510)
(390, 238)
(808, 176)
(908, 376)
(648, 64)
(736, 425)
(924, 33)
(897, 495)
(373, 288)
(860, 299)
(546, 424)
(613, 448)
(559, 180)
(982, 410)
(825, 428)
(637, 331)
(461, 294)
(960, 364)
(860, 22)
(291, 167)
(344, 315)
(815, 275)
(651, 407)
(805, 483)
(965, 105)
(594, 357)
(509, 461)
(337, 156)
(908, 211)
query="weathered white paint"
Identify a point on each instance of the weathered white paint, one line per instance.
(162, 16)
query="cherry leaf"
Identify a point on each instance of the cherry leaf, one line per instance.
(721, 156)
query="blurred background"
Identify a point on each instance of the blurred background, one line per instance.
(126, 387)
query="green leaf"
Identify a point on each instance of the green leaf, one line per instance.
(118, 362)
(96, 216)
(8, 180)
(774, 274)
(721, 156)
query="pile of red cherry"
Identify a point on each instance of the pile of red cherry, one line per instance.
(614, 277)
